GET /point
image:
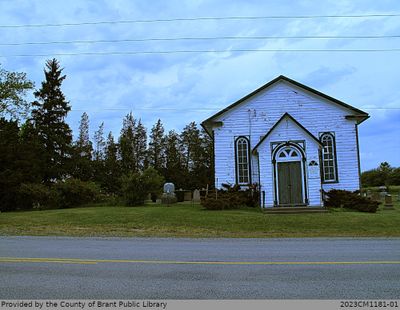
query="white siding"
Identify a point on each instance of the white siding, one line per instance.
(255, 116)
(285, 131)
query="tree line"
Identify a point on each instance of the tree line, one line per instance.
(38, 152)
(384, 175)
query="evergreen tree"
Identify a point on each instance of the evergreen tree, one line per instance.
(174, 164)
(20, 161)
(99, 143)
(190, 138)
(82, 155)
(112, 169)
(32, 153)
(83, 143)
(198, 154)
(191, 145)
(99, 155)
(127, 145)
(205, 173)
(156, 151)
(140, 148)
(50, 110)
(10, 176)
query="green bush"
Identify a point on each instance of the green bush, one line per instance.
(74, 192)
(136, 186)
(37, 196)
(153, 181)
(231, 197)
(350, 200)
(211, 203)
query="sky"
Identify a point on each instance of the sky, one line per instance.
(109, 79)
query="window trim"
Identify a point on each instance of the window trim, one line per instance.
(248, 160)
(336, 179)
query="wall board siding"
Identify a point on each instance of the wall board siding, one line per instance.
(255, 116)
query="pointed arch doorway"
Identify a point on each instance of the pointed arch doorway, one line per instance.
(289, 176)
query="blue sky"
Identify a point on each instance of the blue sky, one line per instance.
(184, 87)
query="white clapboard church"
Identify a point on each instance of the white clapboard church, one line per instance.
(293, 141)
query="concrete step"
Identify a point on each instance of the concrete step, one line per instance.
(295, 210)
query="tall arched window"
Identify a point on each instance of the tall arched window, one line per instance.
(329, 157)
(242, 160)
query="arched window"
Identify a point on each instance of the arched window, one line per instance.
(288, 154)
(242, 160)
(329, 157)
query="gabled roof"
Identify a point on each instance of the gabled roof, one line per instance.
(359, 113)
(279, 121)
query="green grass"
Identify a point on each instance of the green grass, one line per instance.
(186, 220)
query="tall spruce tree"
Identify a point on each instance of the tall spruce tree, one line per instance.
(99, 143)
(191, 145)
(99, 155)
(156, 151)
(198, 154)
(140, 146)
(112, 167)
(174, 161)
(127, 144)
(205, 173)
(82, 152)
(190, 138)
(50, 110)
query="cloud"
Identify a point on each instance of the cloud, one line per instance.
(178, 87)
(324, 76)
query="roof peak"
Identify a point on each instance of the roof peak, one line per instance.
(295, 83)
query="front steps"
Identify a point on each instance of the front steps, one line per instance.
(294, 210)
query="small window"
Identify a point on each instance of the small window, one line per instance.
(328, 157)
(242, 161)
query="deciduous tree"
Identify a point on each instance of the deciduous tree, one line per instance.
(13, 89)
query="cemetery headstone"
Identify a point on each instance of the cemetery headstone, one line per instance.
(388, 202)
(168, 197)
(196, 195)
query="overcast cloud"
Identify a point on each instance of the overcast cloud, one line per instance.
(184, 87)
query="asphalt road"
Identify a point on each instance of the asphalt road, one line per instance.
(126, 268)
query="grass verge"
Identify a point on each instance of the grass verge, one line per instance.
(186, 220)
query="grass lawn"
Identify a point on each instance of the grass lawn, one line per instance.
(186, 220)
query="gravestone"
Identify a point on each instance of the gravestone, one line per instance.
(169, 188)
(196, 195)
(388, 202)
(168, 196)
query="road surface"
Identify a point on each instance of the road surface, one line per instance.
(157, 268)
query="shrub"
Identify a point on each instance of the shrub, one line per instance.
(136, 186)
(232, 197)
(350, 200)
(153, 181)
(37, 196)
(210, 203)
(74, 192)
(133, 189)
